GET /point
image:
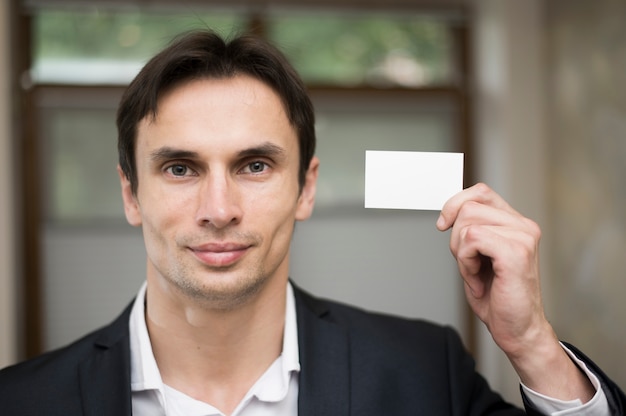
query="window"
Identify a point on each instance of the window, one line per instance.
(359, 49)
(95, 46)
(339, 51)
(380, 80)
(328, 48)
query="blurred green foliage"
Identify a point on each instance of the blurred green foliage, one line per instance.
(363, 49)
(326, 48)
(117, 35)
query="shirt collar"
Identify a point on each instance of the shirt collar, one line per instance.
(272, 386)
(144, 373)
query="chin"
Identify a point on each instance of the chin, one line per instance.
(226, 294)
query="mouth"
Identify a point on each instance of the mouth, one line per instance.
(220, 254)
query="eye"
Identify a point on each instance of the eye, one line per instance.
(178, 170)
(255, 167)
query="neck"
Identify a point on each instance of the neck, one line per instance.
(215, 355)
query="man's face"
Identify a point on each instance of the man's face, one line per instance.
(218, 189)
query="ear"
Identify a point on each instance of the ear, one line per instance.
(306, 200)
(131, 205)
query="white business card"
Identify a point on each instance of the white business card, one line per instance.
(411, 180)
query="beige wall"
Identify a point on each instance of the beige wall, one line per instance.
(7, 250)
(551, 138)
(587, 177)
(510, 135)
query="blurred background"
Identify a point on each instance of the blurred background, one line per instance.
(531, 91)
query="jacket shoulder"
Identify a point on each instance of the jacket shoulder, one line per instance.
(404, 363)
(358, 320)
(52, 380)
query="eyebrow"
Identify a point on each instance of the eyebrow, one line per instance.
(169, 153)
(265, 149)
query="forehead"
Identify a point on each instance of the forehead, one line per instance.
(224, 111)
(240, 92)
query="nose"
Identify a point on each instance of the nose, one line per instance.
(219, 202)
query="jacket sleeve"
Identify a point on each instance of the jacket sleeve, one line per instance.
(473, 391)
(470, 392)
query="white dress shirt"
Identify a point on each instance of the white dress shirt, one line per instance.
(274, 394)
(276, 391)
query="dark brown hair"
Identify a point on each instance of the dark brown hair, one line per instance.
(204, 54)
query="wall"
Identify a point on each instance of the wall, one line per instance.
(587, 90)
(511, 143)
(551, 138)
(7, 247)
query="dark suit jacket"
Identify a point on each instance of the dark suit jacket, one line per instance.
(352, 363)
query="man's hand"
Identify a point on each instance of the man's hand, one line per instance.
(496, 250)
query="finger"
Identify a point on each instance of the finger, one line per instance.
(477, 274)
(480, 193)
(485, 253)
(476, 214)
(474, 265)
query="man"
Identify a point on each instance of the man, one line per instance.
(216, 144)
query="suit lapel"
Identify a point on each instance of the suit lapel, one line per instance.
(105, 377)
(324, 386)
(324, 382)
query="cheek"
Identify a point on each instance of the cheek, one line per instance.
(273, 212)
(162, 219)
(277, 196)
(283, 225)
(163, 203)
(278, 235)
(154, 232)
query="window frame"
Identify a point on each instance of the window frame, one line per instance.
(32, 221)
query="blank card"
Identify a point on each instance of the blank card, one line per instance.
(411, 180)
